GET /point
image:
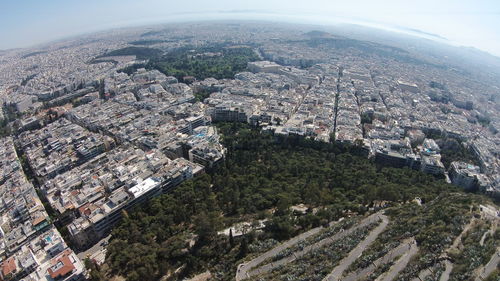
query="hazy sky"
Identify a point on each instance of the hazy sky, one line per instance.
(470, 23)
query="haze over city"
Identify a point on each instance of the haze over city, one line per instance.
(249, 141)
(464, 23)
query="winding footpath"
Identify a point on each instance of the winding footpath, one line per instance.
(356, 252)
(490, 266)
(485, 235)
(408, 245)
(244, 268)
(457, 245)
(400, 264)
(249, 269)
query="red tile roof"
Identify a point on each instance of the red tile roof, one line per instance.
(38, 220)
(8, 266)
(61, 265)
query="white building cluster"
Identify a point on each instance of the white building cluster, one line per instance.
(32, 246)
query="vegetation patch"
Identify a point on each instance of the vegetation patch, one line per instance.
(316, 264)
(142, 53)
(434, 226)
(473, 254)
(146, 42)
(33, 54)
(264, 172)
(327, 232)
(217, 61)
(454, 150)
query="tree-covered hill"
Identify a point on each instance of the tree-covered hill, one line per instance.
(261, 173)
(218, 61)
(142, 53)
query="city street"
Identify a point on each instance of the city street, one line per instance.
(96, 252)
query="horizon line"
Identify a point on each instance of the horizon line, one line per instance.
(286, 18)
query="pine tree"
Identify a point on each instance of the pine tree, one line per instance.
(231, 238)
(243, 247)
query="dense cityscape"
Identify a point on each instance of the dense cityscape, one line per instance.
(92, 129)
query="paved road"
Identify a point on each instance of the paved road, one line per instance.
(97, 252)
(391, 255)
(356, 252)
(246, 270)
(400, 264)
(448, 267)
(490, 266)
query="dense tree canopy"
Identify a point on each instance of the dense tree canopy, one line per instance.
(261, 172)
(218, 61)
(215, 61)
